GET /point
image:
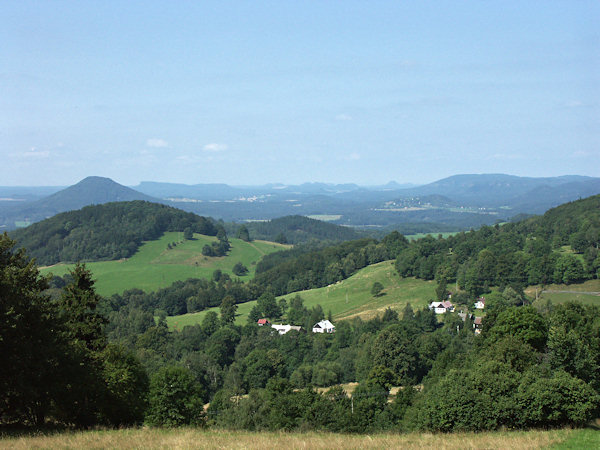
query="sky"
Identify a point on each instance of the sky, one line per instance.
(248, 93)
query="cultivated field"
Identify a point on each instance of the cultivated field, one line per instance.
(184, 438)
(348, 298)
(154, 266)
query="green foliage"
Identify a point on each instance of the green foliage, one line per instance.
(267, 305)
(127, 386)
(29, 342)
(175, 398)
(243, 233)
(239, 269)
(524, 322)
(376, 289)
(228, 309)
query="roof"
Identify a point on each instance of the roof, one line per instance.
(324, 324)
(477, 321)
(263, 321)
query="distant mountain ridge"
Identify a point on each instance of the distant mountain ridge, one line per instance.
(469, 200)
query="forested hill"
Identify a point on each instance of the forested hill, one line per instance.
(297, 229)
(104, 232)
(562, 246)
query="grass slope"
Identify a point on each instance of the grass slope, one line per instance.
(199, 438)
(345, 299)
(154, 267)
(587, 292)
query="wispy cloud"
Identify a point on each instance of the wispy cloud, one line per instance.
(214, 147)
(353, 156)
(157, 143)
(33, 153)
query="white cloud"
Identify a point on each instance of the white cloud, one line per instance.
(214, 147)
(353, 156)
(32, 153)
(157, 143)
(343, 117)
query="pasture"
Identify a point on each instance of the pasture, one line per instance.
(155, 266)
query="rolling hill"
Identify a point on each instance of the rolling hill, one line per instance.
(155, 265)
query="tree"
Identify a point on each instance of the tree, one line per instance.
(78, 305)
(82, 403)
(239, 269)
(394, 348)
(188, 234)
(441, 291)
(243, 233)
(568, 269)
(523, 322)
(281, 239)
(228, 309)
(127, 387)
(376, 289)
(175, 398)
(29, 340)
(268, 305)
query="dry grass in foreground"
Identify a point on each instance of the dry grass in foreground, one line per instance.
(195, 438)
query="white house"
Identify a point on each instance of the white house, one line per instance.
(283, 329)
(324, 326)
(480, 303)
(441, 307)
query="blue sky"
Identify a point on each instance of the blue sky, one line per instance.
(298, 91)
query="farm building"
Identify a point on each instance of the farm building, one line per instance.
(441, 307)
(263, 322)
(283, 329)
(480, 303)
(324, 326)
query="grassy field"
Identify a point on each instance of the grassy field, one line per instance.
(348, 298)
(154, 266)
(215, 439)
(587, 293)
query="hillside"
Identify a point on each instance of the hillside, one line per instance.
(105, 232)
(345, 299)
(156, 266)
(559, 247)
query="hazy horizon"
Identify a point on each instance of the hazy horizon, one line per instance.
(286, 92)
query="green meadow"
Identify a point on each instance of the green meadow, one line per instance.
(348, 298)
(587, 292)
(154, 266)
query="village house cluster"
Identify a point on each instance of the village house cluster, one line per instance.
(447, 307)
(324, 326)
